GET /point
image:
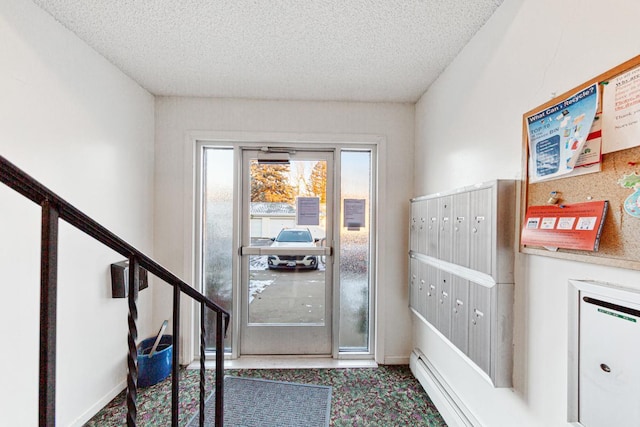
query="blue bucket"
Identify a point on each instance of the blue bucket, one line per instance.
(152, 370)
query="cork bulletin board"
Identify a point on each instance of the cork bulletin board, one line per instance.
(616, 181)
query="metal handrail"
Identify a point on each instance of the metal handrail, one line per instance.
(55, 208)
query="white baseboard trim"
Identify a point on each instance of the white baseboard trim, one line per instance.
(452, 409)
(96, 407)
(396, 360)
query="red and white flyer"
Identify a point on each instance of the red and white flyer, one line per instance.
(575, 226)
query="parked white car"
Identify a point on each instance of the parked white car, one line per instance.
(293, 238)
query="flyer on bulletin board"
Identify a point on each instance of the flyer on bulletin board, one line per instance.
(621, 111)
(590, 158)
(557, 135)
(576, 226)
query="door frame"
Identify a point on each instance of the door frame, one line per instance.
(303, 332)
(193, 142)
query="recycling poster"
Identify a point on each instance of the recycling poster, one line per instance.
(557, 134)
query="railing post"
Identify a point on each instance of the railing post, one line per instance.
(219, 370)
(48, 302)
(132, 358)
(202, 364)
(175, 374)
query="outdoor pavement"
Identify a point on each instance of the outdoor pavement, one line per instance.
(294, 296)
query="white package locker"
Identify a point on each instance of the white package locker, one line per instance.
(604, 349)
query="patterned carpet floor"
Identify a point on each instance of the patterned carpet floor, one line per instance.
(385, 396)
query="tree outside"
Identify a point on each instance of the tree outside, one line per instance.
(277, 183)
(270, 183)
(319, 181)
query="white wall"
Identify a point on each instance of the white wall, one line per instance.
(76, 123)
(176, 117)
(468, 130)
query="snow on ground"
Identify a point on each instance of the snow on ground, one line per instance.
(259, 263)
(256, 287)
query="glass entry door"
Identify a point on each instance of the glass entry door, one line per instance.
(286, 255)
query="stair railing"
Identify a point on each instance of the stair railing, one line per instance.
(55, 208)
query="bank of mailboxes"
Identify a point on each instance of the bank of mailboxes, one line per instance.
(461, 271)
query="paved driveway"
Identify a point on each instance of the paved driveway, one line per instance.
(287, 296)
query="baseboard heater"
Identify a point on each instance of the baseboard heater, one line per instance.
(452, 409)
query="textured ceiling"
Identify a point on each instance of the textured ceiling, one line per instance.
(354, 50)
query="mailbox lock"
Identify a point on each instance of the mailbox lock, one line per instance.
(605, 367)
